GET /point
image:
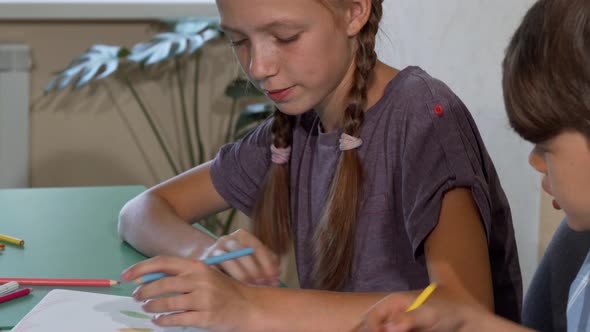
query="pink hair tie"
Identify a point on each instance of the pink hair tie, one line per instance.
(348, 142)
(280, 155)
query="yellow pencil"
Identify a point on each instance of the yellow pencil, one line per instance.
(13, 240)
(422, 297)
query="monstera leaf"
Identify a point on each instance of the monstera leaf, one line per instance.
(185, 40)
(98, 62)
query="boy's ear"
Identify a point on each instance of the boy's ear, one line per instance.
(359, 12)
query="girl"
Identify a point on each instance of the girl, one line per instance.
(377, 177)
(547, 94)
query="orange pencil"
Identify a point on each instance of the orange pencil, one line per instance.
(61, 282)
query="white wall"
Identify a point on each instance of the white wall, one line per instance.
(462, 43)
(101, 9)
(15, 65)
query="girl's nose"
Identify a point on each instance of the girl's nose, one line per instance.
(263, 64)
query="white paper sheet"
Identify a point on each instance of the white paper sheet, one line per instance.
(74, 311)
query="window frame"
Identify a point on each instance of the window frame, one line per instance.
(104, 9)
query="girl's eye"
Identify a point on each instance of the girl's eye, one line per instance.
(288, 40)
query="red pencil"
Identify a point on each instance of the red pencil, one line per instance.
(16, 294)
(61, 282)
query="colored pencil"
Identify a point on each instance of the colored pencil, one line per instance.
(209, 261)
(2, 246)
(150, 277)
(61, 282)
(14, 295)
(226, 257)
(422, 297)
(8, 287)
(12, 240)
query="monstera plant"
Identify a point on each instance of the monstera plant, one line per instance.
(183, 40)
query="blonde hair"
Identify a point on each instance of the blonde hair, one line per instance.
(334, 240)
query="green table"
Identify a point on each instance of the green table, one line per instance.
(68, 233)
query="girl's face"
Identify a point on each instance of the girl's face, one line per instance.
(298, 52)
(565, 163)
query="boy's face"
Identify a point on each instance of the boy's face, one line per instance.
(565, 163)
(293, 51)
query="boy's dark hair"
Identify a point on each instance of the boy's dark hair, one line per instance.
(546, 71)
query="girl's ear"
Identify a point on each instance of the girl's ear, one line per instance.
(358, 14)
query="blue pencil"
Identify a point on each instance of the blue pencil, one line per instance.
(209, 261)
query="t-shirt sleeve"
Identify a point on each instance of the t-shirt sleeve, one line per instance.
(441, 151)
(239, 168)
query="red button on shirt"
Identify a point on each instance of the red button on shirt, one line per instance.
(438, 110)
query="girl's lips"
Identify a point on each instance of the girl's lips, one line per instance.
(279, 95)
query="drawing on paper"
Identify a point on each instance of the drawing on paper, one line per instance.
(74, 311)
(135, 314)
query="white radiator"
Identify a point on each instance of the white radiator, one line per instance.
(15, 66)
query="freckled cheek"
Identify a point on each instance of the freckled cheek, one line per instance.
(296, 63)
(243, 59)
(583, 192)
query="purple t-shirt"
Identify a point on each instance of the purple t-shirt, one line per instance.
(419, 141)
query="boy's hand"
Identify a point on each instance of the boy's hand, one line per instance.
(389, 315)
(261, 268)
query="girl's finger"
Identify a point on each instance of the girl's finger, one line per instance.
(262, 268)
(167, 285)
(183, 302)
(266, 260)
(249, 265)
(187, 318)
(233, 267)
(269, 263)
(165, 264)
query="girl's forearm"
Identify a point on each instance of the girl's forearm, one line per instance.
(150, 225)
(281, 309)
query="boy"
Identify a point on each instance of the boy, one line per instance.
(547, 94)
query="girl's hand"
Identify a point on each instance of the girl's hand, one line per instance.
(261, 268)
(389, 315)
(193, 295)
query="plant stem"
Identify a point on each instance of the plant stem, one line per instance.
(196, 109)
(229, 221)
(229, 132)
(187, 130)
(132, 132)
(152, 124)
